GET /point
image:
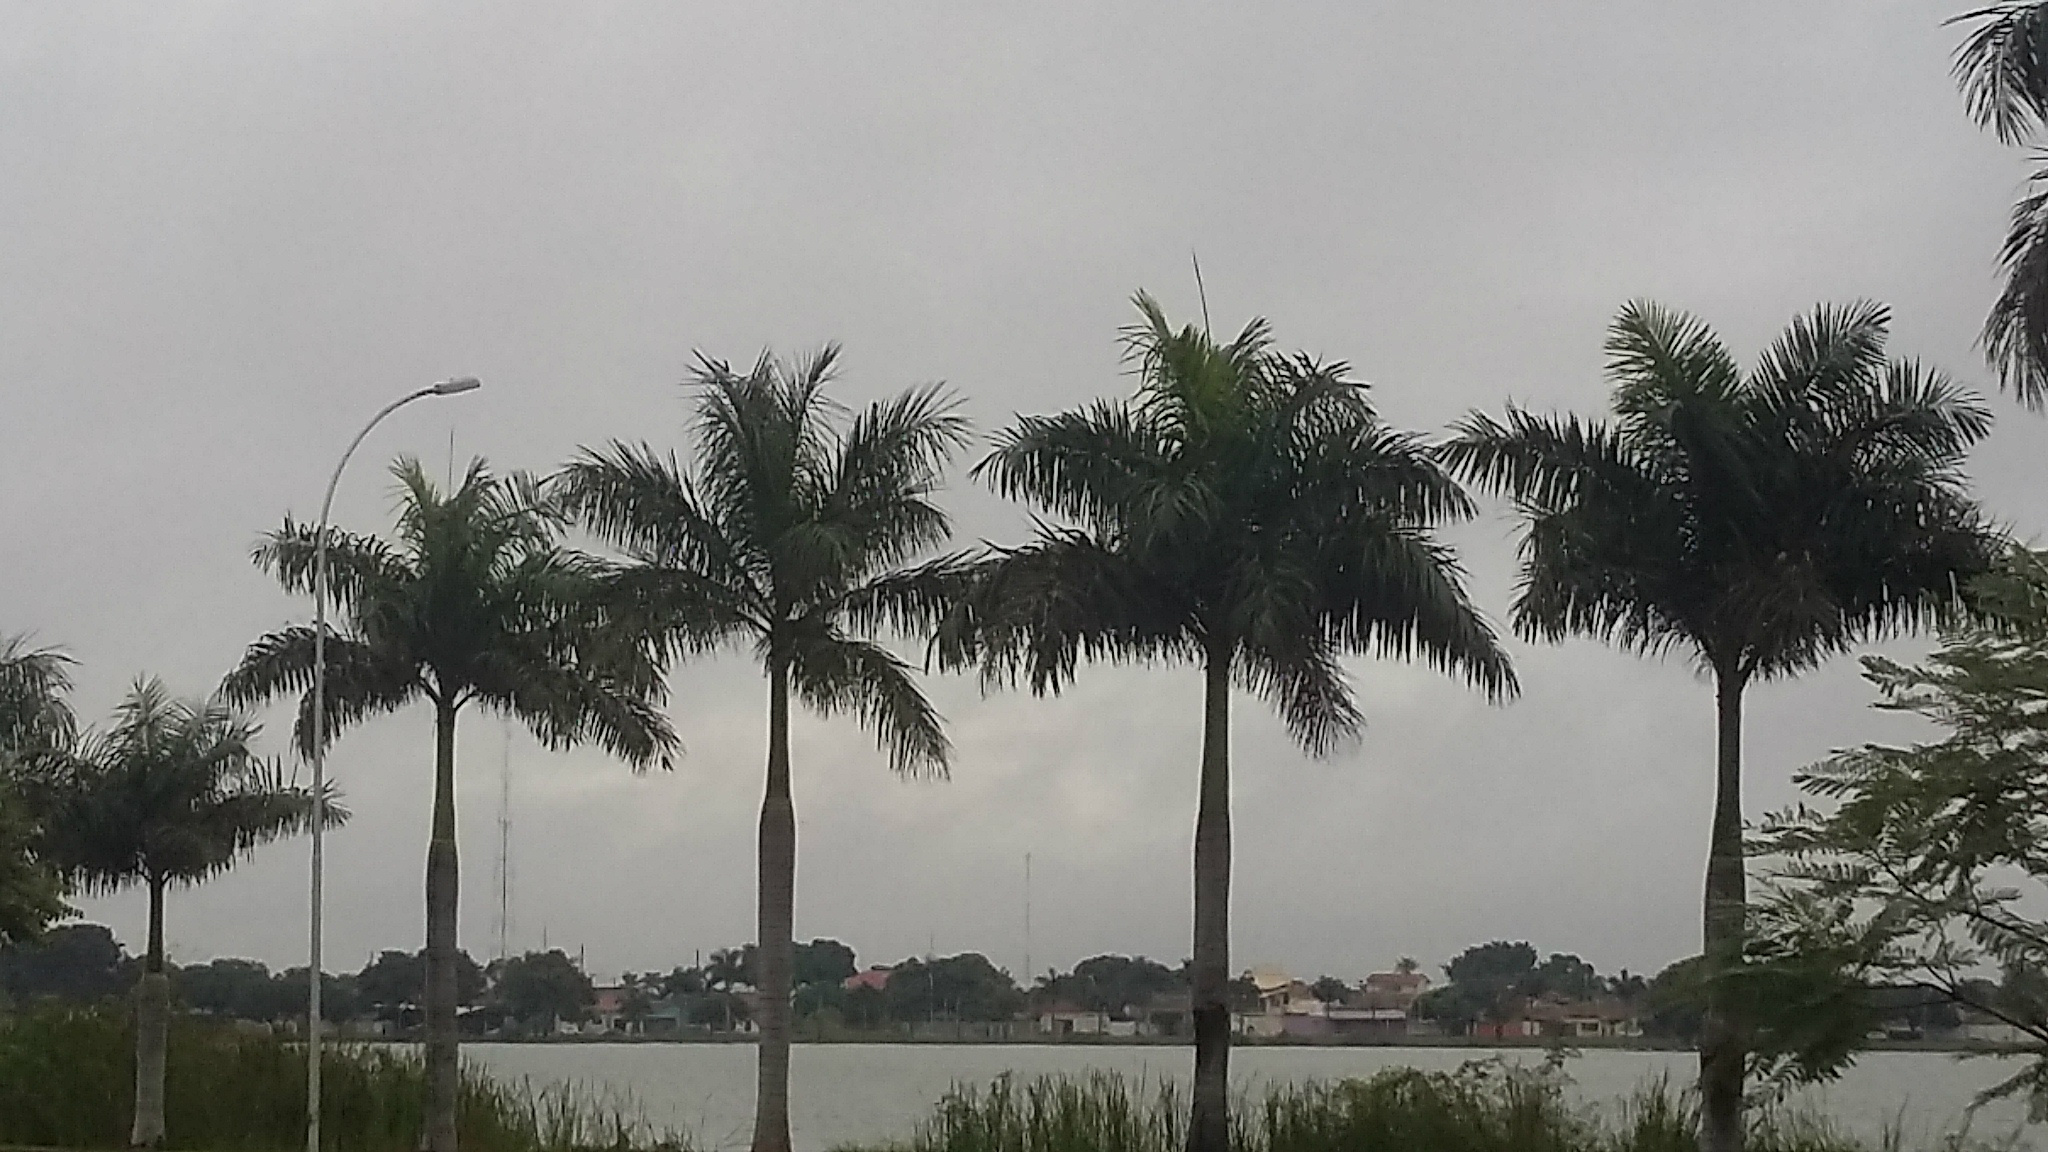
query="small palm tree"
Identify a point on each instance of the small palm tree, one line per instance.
(475, 604)
(1248, 513)
(36, 728)
(791, 532)
(173, 793)
(1760, 522)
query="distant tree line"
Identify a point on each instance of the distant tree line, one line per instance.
(84, 963)
(533, 993)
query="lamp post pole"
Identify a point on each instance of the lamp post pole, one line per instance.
(443, 388)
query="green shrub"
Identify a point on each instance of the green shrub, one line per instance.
(67, 1080)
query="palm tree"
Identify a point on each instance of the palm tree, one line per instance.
(36, 727)
(791, 532)
(1247, 512)
(2003, 72)
(34, 717)
(475, 604)
(173, 793)
(1760, 522)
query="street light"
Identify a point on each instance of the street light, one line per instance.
(448, 387)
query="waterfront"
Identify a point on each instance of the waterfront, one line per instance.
(844, 1093)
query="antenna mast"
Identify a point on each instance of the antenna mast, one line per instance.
(1028, 972)
(504, 924)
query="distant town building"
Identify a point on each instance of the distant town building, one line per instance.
(608, 1012)
(875, 979)
(1406, 986)
(1603, 1019)
(1062, 1018)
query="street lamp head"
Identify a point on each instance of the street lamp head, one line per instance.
(458, 384)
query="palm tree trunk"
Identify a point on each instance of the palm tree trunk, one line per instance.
(152, 1030)
(1721, 1048)
(1209, 1126)
(776, 949)
(444, 1067)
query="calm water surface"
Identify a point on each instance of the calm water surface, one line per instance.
(844, 1093)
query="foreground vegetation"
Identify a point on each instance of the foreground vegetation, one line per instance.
(1485, 1106)
(67, 1081)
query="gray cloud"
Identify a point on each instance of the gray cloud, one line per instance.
(232, 231)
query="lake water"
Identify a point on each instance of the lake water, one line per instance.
(843, 1093)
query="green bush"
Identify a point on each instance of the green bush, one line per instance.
(67, 1080)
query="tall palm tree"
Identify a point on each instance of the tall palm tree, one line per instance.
(1248, 512)
(1761, 522)
(791, 531)
(2002, 67)
(36, 727)
(173, 793)
(476, 603)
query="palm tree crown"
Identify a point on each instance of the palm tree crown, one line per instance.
(475, 603)
(34, 716)
(173, 793)
(1763, 521)
(789, 534)
(1246, 503)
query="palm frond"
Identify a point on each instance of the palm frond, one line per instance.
(1831, 351)
(832, 673)
(875, 509)
(1393, 591)
(564, 704)
(2015, 336)
(358, 566)
(1614, 570)
(1186, 380)
(362, 683)
(1818, 504)
(1107, 466)
(908, 601)
(1306, 683)
(643, 504)
(1353, 466)
(1544, 462)
(1658, 358)
(1035, 612)
(363, 680)
(764, 438)
(2002, 67)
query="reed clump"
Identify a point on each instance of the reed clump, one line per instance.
(1485, 1106)
(67, 1081)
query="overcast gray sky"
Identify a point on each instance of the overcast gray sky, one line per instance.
(228, 232)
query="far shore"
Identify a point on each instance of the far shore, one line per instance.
(1477, 1044)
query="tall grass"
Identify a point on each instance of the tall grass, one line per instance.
(67, 1080)
(1485, 1106)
